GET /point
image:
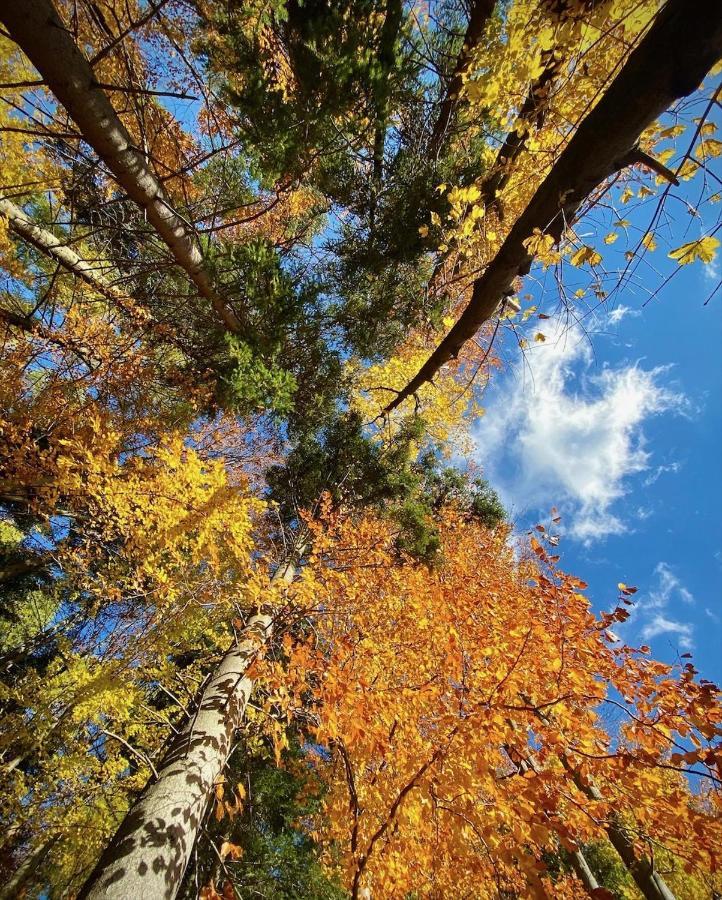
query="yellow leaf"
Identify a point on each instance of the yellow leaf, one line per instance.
(611, 237)
(709, 148)
(649, 242)
(585, 254)
(539, 337)
(705, 249)
(232, 850)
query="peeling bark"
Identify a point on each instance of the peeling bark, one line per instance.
(151, 850)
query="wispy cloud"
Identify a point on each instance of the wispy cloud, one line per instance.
(657, 612)
(620, 312)
(571, 436)
(667, 588)
(660, 624)
(660, 470)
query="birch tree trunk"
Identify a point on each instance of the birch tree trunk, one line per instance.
(45, 241)
(148, 856)
(37, 29)
(583, 872)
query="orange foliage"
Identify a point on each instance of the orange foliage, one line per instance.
(463, 713)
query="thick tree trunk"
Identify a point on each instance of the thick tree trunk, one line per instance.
(682, 44)
(149, 853)
(36, 27)
(45, 241)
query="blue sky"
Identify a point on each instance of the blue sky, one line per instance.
(617, 421)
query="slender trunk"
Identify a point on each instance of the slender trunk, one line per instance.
(671, 60)
(36, 27)
(11, 889)
(531, 114)
(481, 11)
(650, 883)
(382, 91)
(150, 852)
(45, 241)
(579, 861)
(583, 872)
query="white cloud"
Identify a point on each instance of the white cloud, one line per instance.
(571, 435)
(712, 272)
(660, 470)
(620, 312)
(651, 617)
(659, 624)
(668, 585)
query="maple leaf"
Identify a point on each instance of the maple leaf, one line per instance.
(585, 254)
(704, 249)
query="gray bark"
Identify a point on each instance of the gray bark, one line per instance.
(45, 241)
(149, 853)
(671, 60)
(650, 882)
(579, 861)
(36, 27)
(584, 873)
(20, 877)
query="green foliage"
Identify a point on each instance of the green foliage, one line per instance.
(342, 460)
(278, 858)
(339, 459)
(282, 361)
(251, 384)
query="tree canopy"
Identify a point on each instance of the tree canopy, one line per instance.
(267, 630)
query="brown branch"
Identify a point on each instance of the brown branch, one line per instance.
(481, 11)
(670, 61)
(101, 54)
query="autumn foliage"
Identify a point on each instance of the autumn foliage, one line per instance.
(217, 450)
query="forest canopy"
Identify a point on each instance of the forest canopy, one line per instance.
(267, 628)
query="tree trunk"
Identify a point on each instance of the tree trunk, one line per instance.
(671, 60)
(531, 114)
(149, 853)
(649, 882)
(382, 90)
(45, 241)
(578, 859)
(36, 27)
(583, 872)
(481, 11)
(12, 888)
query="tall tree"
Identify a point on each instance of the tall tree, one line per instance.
(680, 47)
